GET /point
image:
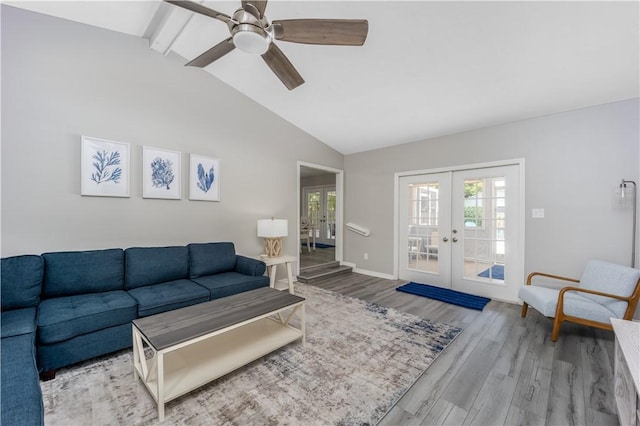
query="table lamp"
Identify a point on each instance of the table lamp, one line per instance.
(272, 230)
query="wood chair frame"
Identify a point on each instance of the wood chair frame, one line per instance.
(632, 302)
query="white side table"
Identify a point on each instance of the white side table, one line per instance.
(273, 262)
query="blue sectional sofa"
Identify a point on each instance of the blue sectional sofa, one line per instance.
(65, 307)
(20, 387)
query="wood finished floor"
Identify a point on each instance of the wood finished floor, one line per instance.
(502, 369)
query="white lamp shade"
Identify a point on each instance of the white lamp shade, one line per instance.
(273, 228)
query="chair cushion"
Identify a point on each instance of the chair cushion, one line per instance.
(62, 318)
(609, 278)
(211, 258)
(155, 265)
(167, 296)
(21, 281)
(545, 301)
(228, 283)
(82, 272)
(18, 321)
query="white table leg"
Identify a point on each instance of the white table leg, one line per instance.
(289, 277)
(303, 325)
(272, 276)
(160, 373)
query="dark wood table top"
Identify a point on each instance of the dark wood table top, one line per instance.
(180, 325)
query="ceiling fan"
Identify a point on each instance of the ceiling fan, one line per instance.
(251, 32)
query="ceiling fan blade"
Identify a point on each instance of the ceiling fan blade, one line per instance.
(216, 52)
(198, 8)
(260, 5)
(345, 32)
(281, 67)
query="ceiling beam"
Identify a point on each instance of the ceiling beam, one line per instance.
(166, 26)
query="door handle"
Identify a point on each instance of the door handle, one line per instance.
(445, 239)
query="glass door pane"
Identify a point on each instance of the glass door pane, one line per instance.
(330, 208)
(424, 222)
(484, 228)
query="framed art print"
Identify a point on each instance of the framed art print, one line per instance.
(161, 173)
(104, 168)
(204, 178)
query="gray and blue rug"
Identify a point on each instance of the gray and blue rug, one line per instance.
(359, 359)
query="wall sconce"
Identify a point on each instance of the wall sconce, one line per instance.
(626, 197)
(272, 230)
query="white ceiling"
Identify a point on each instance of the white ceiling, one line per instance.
(427, 68)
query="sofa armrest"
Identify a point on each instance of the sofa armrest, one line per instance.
(249, 266)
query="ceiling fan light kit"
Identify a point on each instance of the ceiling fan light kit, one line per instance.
(252, 33)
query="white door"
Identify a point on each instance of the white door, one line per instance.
(425, 223)
(320, 208)
(477, 224)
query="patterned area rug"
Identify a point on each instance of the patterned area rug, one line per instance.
(359, 359)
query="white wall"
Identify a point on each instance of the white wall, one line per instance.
(61, 80)
(574, 161)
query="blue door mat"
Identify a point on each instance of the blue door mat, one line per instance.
(445, 295)
(496, 272)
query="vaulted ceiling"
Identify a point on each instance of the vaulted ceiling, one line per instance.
(427, 68)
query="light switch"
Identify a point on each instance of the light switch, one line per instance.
(537, 213)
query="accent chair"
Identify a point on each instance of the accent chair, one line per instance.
(605, 290)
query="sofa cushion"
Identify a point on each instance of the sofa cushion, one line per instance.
(82, 272)
(18, 321)
(20, 389)
(211, 258)
(167, 296)
(62, 318)
(609, 278)
(21, 281)
(229, 283)
(153, 265)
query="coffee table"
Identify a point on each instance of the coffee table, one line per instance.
(192, 346)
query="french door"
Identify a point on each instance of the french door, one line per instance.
(460, 230)
(320, 208)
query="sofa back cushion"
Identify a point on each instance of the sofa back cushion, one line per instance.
(609, 278)
(80, 272)
(154, 265)
(211, 258)
(21, 280)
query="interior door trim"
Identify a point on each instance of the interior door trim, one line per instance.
(521, 200)
(339, 208)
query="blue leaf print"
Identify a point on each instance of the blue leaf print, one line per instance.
(105, 169)
(205, 180)
(161, 173)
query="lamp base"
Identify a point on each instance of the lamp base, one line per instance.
(273, 247)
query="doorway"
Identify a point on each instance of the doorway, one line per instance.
(461, 229)
(320, 207)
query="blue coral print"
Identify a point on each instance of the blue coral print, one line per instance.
(105, 167)
(205, 180)
(162, 173)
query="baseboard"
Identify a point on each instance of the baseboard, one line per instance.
(367, 272)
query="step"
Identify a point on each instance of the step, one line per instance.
(315, 273)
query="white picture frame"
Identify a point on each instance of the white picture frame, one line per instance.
(204, 178)
(161, 175)
(104, 168)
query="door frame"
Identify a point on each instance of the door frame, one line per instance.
(520, 162)
(339, 207)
